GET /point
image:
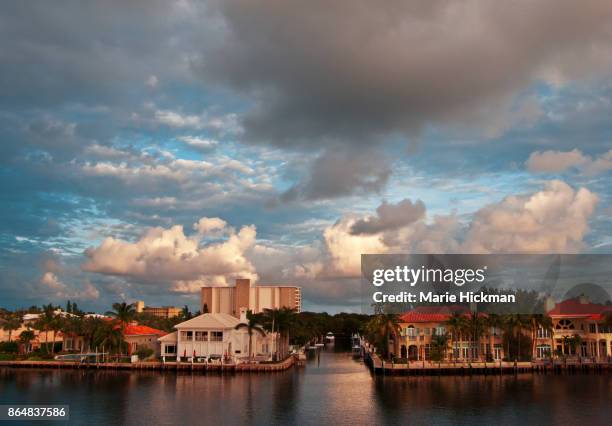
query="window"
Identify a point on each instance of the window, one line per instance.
(170, 349)
(216, 336)
(543, 333)
(440, 331)
(565, 324)
(186, 336)
(543, 351)
(497, 351)
(201, 336)
(427, 351)
(411, 332)
(592, 328)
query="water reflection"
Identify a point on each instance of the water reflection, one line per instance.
(332, 389)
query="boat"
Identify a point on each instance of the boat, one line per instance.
(356, 345)
(329, 337)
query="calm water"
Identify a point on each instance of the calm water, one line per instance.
(333, 389)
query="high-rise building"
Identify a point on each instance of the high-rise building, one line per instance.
(231, 300)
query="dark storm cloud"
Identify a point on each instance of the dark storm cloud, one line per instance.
(389, 217)
(84, 52)
(355, 71)
(341, 172)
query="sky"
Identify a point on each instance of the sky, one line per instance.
(148, 148)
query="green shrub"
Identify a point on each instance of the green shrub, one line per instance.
(9, 347)
(7, 357)
(144, 353)
(39, 355)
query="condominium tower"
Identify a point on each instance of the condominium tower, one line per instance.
(231, 300)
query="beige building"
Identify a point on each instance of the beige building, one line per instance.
(157, 311)
(231, 300)
(420, 326)
(579, 328)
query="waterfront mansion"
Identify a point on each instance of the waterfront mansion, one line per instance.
(215, 336)
(578, 328)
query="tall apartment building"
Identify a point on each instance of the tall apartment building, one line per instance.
(230, 300)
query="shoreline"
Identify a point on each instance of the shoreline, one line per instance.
(374, 363)
(159, 366)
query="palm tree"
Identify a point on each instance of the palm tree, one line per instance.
(185, 313)
(456, 326)
(439, 343)
(379, 328)
(87, 327)
(56, 324)
(536, 322)
(493, 322)
(123, 312)
(45, 319)
(280, 320)
(474, 326)
(575, 342)
(10, 323)
(25, 337)
(107, 335)
(252, 325)
(515, 324)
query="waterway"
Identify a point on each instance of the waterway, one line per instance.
(332, 389)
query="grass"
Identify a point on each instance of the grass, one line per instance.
(7, 357)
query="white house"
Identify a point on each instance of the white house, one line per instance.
(215, 335)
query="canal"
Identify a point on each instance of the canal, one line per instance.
(332, 389)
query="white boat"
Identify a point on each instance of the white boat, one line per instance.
(329, 337)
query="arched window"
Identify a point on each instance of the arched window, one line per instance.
(565, 324)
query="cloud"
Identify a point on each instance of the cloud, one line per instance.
(561, 161)
(152, 81)
(390, 216)
(341, 172)
(553, 220)
(220, 124)
(52, 286)
(207, 225)
(168, 257)
(199, 144)
(357, 71)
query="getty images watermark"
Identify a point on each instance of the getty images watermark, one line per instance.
(500, 283)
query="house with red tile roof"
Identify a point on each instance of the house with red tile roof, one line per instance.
(141, 336)
(420, 326)
(579, 329)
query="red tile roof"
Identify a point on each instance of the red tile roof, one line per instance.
(432, 313)
(576, 307)
(141, 330)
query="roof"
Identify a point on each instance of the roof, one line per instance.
(579, 307)
(142, 330)
(210, 321)
(432, 313)
(170, 337)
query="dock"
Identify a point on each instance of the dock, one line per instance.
(431, 368)
(162, 366)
